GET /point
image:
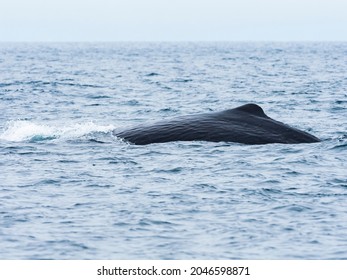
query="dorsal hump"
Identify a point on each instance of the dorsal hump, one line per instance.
(253, 109)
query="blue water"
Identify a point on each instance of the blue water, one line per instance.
(70, 190)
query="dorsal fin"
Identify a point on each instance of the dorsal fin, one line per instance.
(253, 109)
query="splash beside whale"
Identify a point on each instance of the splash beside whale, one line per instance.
(247, 124)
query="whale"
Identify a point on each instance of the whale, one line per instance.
(246, 124)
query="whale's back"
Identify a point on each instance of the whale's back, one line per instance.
(247, 124)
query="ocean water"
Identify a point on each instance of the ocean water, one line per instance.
(69, 189)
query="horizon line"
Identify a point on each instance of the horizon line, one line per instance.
(178, 41)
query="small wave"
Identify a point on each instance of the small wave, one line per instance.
(182, 80)
(152, 74)
(338, 143)
(23, 130)
(340, 147)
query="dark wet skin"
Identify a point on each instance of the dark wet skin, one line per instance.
(247, 124)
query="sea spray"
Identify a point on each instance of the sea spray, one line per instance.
(24, 130)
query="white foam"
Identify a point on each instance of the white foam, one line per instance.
(22, 130)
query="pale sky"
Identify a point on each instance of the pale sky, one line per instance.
(173, 20)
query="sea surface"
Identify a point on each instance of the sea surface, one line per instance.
(69, 189)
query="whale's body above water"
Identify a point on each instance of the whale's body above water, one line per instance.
(247, 124)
